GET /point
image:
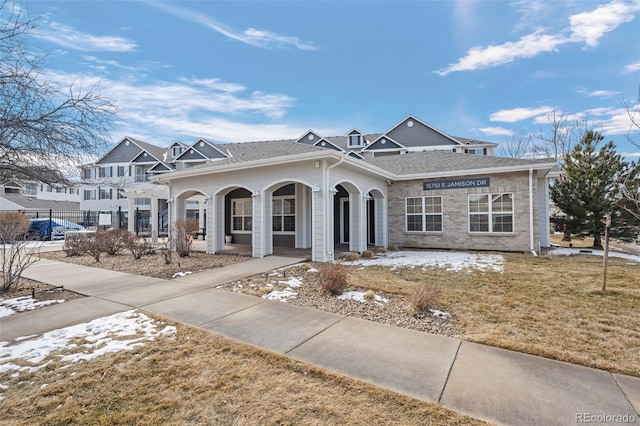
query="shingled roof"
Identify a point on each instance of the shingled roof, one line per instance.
(442, 162)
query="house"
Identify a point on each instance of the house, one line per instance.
(411, 186)
(18, 195)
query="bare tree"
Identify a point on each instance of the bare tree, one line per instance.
(42, 122)
(562, 135)
(517, 145)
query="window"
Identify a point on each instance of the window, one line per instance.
(355, 140)
(424, 214)
(49, 188)
(11, 191)
(119, 196)
(122, 170)
(89, 194)
(142, 201)
(89, 173)
(104, 194)
(241, 214)
(176, 151)
(475, 151)
(60, 190)
(105, 171)
(491, 213)
(30, 189)
(284, 214)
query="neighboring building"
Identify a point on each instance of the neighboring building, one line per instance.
(411, 186)
(32, 196)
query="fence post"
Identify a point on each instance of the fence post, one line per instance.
(50, 225)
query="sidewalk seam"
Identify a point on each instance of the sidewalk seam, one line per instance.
(227, 315)
(623, 392)
(316, 334)
(446, 380)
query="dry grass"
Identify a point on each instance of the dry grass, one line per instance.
(544, 306)
(200, 378)
(576, 242)
(151, 265)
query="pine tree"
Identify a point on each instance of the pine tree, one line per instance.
(590, 185)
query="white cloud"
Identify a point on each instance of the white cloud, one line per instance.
(586, 27)
(486, 57)
(251, 36)
(633, 67)
(519, 114)
(598, 93)
(589, 27)
(496, 131)
(70, 38)
(162, 111)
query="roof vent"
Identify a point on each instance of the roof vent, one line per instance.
(410, 123)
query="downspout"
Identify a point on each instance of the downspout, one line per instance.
(531, 227)
(327, 212)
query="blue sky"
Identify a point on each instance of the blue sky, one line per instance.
(242, 70)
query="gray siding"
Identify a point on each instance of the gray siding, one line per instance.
(387, 145)
(191, 154)
(305, 138)
(122, 153)
(144, 157)
(208, 150)
(418, 135)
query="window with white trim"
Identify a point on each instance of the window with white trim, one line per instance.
(122, 171)
(104, 194)
(241, 214)
(284, 214)
(424, 214)
(355, 140)
(491, 213)
(105, 171)
(89, 194)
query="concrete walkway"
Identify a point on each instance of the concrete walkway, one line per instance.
(492, 384)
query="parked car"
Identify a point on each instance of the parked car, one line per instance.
(45, 229)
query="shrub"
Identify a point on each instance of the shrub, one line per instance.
(75, 244)
(369, 295)
(114, 240)
(166, 249)
(394, 247)
(138, 246)
(15, 252)
(350, 257)
(367, 254)
(96, 244)
(423, 298)
(13, 226)
(184, 230)
(382, 250)
(333, 278)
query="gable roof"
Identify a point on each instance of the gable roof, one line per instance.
(128, 149)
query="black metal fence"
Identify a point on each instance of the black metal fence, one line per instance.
(99, 220)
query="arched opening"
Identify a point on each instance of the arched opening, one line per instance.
(190, 205)
(349, 218)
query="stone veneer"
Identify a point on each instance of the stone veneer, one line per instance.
(455, 219)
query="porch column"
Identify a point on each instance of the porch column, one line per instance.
(267, 204)
(382, 237)
(303, 216)
(321, 218)
(215, 224)
(201, 226)
(257, 229)
(154, 220)
(131, 214)
(358, 223)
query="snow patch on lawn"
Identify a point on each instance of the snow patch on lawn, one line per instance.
(567, 251)
(22, 304)
(280, 296)
(358, 296)
(181, 274)
(114, 333)
(451, 261)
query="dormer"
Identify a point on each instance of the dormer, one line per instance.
(355, 139)
(176, 149)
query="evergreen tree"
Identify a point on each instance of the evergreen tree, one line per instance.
(590, 186)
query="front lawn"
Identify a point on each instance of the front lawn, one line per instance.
(548, 306)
